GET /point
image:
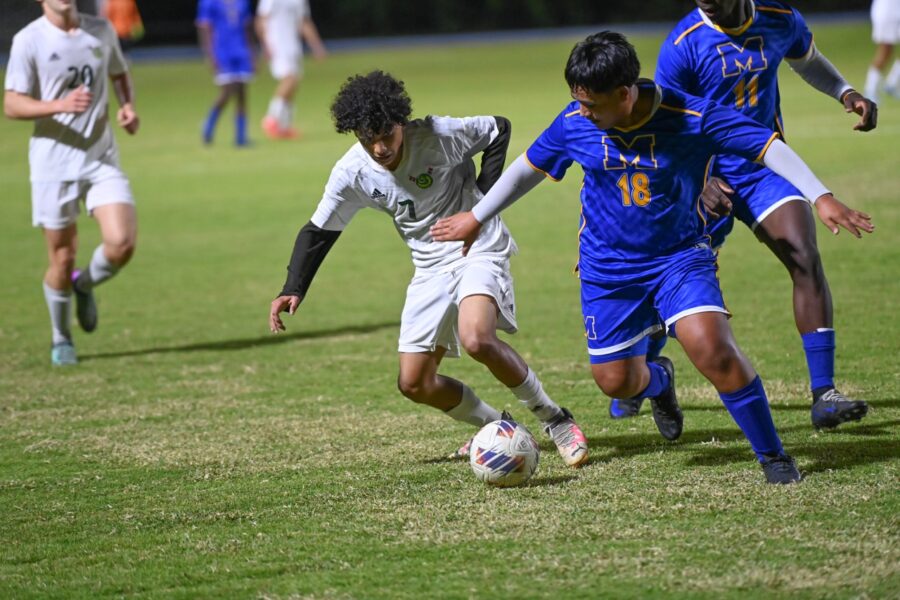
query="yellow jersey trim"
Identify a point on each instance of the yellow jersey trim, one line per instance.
(783, 11)
(689, 30)
(766, 147)
(681, 110)
(573, 113)
(546, 174)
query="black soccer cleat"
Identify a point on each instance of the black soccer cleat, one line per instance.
(833, 408)
(666, 412)
(780, 469)
(85, 305)
(624, 408)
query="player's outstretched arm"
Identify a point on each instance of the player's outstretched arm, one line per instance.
(310, 248)
(817, 71)
(516, 181)
(23, 106)
(834, 214)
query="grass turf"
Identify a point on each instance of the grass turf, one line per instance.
(192, 454)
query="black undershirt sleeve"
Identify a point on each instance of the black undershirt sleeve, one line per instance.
(310, 248)
(494, 156)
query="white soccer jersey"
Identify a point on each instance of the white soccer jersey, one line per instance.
(47, 63)
(435, 179)
(283, 20)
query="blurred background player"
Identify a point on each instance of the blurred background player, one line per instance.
(729, 51)
(57, 77)
(125, 19)
(224, 28)
(645, 262)
(885, 34)
(416, 172)
(282, 26)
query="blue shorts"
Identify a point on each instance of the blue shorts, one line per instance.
(757, 193)
(618, 316)
(233, 68)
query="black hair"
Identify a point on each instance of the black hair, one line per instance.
(602, 62)
(371, 104)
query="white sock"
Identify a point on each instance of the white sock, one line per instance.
(471, 409)
(531, 393)
(276, 105)
(286, 115)
(873, 80)
(98, 271)
(893, 78)
(59, 303)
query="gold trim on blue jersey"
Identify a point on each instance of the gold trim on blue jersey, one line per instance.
(577, 111)
(732, 31)
(777, 10)
(766, 147)
(693, 27)
(681, 110)
(546, 174)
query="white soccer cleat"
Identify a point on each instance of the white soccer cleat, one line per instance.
(569, 439)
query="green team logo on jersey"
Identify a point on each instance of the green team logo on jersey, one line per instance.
(424, 181)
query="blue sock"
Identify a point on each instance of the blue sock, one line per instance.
(209, 126)
(656, 347)
(659, 381)
(749, 408)
(240, 129)
(819, 348)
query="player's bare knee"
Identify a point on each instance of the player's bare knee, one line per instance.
(478, 346)
(120, 251)
(616, 383)
(412, 388)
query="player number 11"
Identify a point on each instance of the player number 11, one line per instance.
(638, 192)
(749, 90)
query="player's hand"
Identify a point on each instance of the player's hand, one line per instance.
(279, 305)
(461, 226)
(128, 119)
(854, 102)
(836, 214)
(320, 54)
(77, 101)
(715, 197)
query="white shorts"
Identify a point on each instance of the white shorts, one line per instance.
(431, 313)
(283, 65)
(886, 21)
(55, 204)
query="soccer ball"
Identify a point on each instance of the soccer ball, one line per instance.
(504, 453)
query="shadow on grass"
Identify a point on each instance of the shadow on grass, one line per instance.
(245, 343)
(550, 481)
(826, 454)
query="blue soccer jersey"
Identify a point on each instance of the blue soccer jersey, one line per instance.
(735, 67)
(641, 189)
(228, 20)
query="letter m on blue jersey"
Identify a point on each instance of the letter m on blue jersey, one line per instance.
(749, 56)
(619, 154)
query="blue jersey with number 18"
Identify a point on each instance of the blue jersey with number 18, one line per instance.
(642, 184)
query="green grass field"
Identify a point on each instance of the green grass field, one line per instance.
(193, 454)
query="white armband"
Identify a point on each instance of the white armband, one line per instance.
(817, 71)
(516, 181)
(787, 163)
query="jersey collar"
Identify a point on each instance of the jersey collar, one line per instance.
(731, 31)
(657, 99)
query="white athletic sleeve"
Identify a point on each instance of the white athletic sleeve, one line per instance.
(117, 63)
(339, 202)
(817, 71)
(21, 72)
(519, 179)
(264, 8)
(787, 163)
